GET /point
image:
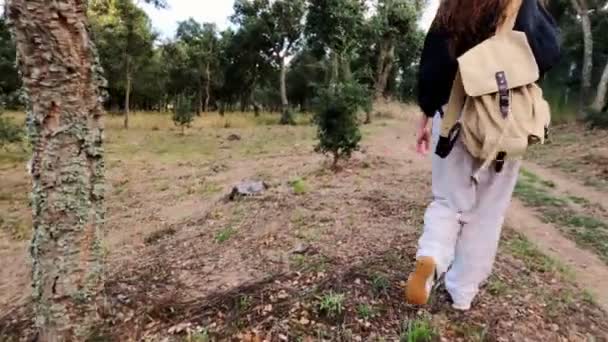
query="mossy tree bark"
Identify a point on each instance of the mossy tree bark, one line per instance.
(61, 74)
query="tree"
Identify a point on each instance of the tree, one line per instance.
(280, 24)
(62, 77)
(600, 98)
(120, 25)
(9, 83)
(183, 114)
(244, 66)
(601, 58)
(306, 75)
(582, 9)
(335, 26)
(61, 74)
(201, 45)
(394, 21)
(408, 56)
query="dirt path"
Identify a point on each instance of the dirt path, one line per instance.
(569, 186)
(590, 272)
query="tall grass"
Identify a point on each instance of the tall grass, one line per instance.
(162, 121)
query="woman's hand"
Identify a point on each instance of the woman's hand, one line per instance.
(423, 137)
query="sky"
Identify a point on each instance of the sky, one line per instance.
(218, 11)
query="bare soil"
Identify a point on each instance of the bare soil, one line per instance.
(186, 263)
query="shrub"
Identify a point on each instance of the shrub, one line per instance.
(338, 128)
(183, 114)
(9, 132)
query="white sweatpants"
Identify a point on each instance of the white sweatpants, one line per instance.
(463, 223)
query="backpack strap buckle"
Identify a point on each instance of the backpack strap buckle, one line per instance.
(500, 161)
(503, 93)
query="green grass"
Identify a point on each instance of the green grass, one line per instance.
(198, 336)
(533, 258)
(497, 287)
(380, 284)
(586, 230)
(298, 186)
(331, 304)
(471, 332)
(225, 235)
(244, 302)
(365, 311)
(418, 330)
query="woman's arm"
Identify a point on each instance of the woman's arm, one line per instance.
(436, 73)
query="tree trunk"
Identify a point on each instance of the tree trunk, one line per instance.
(199, 105)
(127, 92)
(286, 118)
(207, 88)
(384, 68)
(583, 11)
(347, 74)
(600, 97)
(57, 60)
(335, 67)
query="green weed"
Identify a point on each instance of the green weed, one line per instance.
(418, 330)
(198, 336)
(244, 302)
(299, 186)
(380, 284)
(224, 235)
(331, 304)
(497, 287)
(472, 332)
(534, 259)
(365, 311)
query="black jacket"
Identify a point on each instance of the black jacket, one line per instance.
(438, 67)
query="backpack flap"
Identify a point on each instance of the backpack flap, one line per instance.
(508, 53)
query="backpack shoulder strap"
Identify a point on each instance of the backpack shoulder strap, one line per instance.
(511, 13)
(454, 107)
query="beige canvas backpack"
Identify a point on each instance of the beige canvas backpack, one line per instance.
(495, 106)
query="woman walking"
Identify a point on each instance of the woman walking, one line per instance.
(463, 223)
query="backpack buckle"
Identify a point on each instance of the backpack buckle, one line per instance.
(446, 144)
(503, 93)
(500, 161)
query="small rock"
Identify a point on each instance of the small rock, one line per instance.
(300, 248)
(123, 299)
(304, 321)
(179, 328)
(247, 188)
(554, 327)
(234, 137)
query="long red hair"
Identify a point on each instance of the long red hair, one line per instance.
(469, 22)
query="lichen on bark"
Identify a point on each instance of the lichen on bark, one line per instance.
(62, 77)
